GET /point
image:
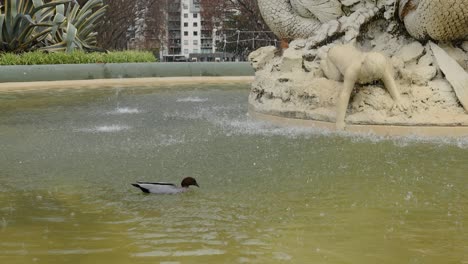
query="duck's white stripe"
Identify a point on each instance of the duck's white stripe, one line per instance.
(161, 189)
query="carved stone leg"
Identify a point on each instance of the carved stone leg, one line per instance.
(350, 78)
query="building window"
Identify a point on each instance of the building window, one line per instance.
(185, 24)
(185, 51)
(195, 15)
(195, 42)
(186, 15)
(186, 42)
(195, 33)
(195, 51)
(195, 24)
(185, 33)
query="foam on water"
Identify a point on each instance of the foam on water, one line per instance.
(191, 99)
(167, 140)
(124, 110)
(105, 129)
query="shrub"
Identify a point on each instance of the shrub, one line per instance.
(75, 57)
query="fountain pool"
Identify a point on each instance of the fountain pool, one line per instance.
(268, 194)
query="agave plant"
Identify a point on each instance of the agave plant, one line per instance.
(56, 25)
(21, 27)
(74, 27)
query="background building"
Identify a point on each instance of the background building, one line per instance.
(190, 36)
(190, 30)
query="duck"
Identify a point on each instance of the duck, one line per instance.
(166, 188)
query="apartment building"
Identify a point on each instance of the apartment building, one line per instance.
(173, 45)
(189, 36)
(190, 27)
(182, 34)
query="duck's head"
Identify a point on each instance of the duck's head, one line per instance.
(186, 182)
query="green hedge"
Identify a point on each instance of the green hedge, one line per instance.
(76, 57)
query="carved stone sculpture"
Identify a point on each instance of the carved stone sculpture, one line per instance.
(291, 19)
(436, 19)
(348, 63)
(392, 75)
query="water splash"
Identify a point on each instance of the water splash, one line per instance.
(243, 124)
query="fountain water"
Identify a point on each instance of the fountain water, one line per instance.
(269, 194)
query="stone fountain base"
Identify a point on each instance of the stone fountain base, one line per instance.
(290, 86)
(451, 131)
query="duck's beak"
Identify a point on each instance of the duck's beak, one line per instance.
(196, 184)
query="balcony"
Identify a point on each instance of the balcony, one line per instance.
(174, 7)
(175, 36)
(174, 19)
(173, 26)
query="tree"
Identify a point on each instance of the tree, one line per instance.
(125, 20)
(239, 24)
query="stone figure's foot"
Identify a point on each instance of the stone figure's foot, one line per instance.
(400, 105)
(340, 126)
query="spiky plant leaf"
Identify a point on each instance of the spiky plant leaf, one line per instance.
(53, 25)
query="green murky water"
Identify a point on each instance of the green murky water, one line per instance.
(268, 194)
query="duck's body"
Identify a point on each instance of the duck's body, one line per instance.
(164, 187)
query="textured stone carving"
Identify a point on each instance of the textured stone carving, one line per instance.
(260, 57)
(291, 19)
(391, 78)
(444, 20)
(435, 19)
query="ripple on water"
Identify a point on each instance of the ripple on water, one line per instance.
(49, 219)
(78, 251)
(188, 253)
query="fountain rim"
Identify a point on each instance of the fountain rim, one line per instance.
(364, 129)
(122, 83)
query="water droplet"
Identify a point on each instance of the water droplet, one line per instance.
(409, 195)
